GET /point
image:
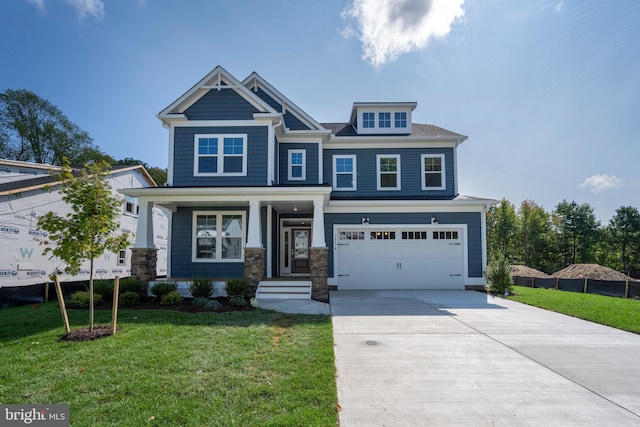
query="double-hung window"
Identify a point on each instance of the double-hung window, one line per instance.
(384, 120)
(433, 172)
(217, 155)
(388, 171)
(400, 119)
(368, 120)
(344, 173)
(218, 236)
(297, 165)
(131, 205)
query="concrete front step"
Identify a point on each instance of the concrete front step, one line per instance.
(299, 289)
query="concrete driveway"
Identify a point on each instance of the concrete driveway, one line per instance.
(428, 358)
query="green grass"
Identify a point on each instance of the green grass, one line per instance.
(619, 313)
(172, 368)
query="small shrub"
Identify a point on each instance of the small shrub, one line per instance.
(161, 289)
(213, 305)
(81, 299)
(103, 288)
(200, 301)
(237, 287)
(172, 298)
(499, 276)
(201, 288)
(130, 284)
(129, 298)
(237, 301)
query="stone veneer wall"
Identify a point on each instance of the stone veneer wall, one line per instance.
(143, 266)
(318, 271)
(254, 267)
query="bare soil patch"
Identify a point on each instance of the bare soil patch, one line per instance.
(524, 271)
(84, 334)
(590, 271)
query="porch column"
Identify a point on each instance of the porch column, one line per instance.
(317, 236)
(254, 236)
(144, 255)
(144, 228)
(318, 254)
(253, 251)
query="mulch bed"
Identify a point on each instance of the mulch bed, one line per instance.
(84, 334)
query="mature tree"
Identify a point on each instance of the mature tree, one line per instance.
(159, 175)
(624, 229)
(532, 236)
(577, 231)
(501, 229)
(32, 129)
(91, 228)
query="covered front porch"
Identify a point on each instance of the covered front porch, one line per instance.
(278, 233)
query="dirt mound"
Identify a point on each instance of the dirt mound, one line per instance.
(524, 271)
(590, 271)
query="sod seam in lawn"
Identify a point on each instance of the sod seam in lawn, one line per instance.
(173, 368)
(619, 313)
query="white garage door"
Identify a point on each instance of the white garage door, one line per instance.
(398, 258)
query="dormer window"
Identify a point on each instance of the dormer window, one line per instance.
(384, 120)
(368, 120)
(400, 120)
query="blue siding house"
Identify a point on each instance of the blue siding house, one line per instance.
(257, 188)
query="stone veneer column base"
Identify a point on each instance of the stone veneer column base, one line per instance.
(254, 267)
(318, 271)
(143, 266)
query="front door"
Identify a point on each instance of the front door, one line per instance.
(300, 240)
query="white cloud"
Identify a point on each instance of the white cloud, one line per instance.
(389, 28)
(39, 4)
(555, 6)
(88, 8)
(601, 182)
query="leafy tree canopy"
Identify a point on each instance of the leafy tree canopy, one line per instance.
(32, 129)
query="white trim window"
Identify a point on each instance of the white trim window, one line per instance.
(368, 120)
(384, 120)
(220, 155)
(297, 170)
(131, 205)
(400, 118)
(218, 236)
(344, 173)
(433, 172)
(122, 257)
(388, 176)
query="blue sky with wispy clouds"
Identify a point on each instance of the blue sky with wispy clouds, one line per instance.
(548, 91)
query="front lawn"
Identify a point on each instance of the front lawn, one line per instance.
(619, 313)
(173, 368)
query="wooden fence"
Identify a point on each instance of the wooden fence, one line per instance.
(612, 288)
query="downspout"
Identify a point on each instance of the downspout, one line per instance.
(271, 179)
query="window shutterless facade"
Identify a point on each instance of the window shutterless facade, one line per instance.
(433, 172)
(220, 155)
(368, 120)
(388, 177)
(384, 120)
(218, 236)
(400, 119)
(344, 173)
(297, 165)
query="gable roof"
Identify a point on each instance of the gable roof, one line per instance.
(254, 82)
(36, 183)
(217, 79)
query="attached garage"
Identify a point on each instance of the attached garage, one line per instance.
(400, 257)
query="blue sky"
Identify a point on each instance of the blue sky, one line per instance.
(548, 91)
